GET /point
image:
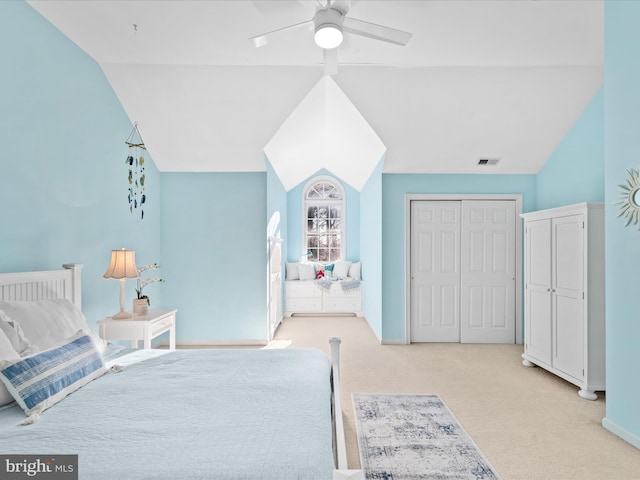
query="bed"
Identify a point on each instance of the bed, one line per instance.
(156, 414)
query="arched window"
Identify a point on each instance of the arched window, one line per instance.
(324, 220)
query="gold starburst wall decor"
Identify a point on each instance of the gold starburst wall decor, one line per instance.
(136, 177)
(630, 198)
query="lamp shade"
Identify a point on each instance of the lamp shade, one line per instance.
(123, 265)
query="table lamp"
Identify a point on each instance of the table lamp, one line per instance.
(122, 266)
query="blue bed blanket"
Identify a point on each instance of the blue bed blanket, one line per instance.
(192, 414)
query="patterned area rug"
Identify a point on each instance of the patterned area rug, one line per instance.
(404, 437)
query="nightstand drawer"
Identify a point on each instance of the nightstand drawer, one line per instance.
(162, 325)
(122, 330)
(140, 327)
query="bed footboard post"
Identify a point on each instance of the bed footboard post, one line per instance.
(76, 283)
(340, 445)
(342, 471)
(335, 352)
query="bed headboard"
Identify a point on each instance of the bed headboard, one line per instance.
(44, 285)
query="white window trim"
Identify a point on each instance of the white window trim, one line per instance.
(343, 212)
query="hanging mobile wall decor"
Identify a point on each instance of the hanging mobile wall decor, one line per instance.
(136, 176)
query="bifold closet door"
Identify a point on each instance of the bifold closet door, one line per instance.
(462, 271)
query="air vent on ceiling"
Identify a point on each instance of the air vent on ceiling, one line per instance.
(488, 161)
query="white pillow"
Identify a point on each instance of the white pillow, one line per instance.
(341, 269)
(307, 272)
(41, 380)
(14, 334)
(48, 322)
(355, 270)
(7, 352)
(292, 271)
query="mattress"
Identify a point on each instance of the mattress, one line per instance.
(191, 414)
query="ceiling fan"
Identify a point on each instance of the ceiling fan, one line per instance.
(329, 23)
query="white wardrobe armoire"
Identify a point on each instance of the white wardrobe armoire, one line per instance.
(564, 317)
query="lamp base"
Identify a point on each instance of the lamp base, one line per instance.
(121, 316)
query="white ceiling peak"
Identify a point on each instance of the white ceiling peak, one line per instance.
(479, 77)
(325, 131)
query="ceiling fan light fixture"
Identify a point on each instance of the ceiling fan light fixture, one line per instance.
(328, 36)
(328, 28)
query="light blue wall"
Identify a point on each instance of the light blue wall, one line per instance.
(294, 222)
(63, 180)
(371, 248)
(394, 189)
(575, 171)
(276, 206)
(214, 254)
(622, 152)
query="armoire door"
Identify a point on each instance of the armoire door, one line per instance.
(538, 289)
(462, 271)
(568, 294)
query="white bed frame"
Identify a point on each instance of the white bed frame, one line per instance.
(30, 286)
(67, 283)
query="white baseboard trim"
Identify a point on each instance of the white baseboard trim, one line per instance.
(391, 341)
(621, 432)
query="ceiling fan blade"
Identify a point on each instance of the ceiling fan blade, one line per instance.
(262, 40)
(330, 59)
(378, 32)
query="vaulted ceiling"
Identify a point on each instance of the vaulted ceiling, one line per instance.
(500, 79)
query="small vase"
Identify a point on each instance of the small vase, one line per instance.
(140, 306)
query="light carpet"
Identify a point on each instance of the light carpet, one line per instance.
(405, 436)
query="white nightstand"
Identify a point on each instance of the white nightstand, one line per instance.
(141, 327)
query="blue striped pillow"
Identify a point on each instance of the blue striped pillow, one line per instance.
(39, 381)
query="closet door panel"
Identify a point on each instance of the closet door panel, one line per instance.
(488, 272)
(435, 271)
